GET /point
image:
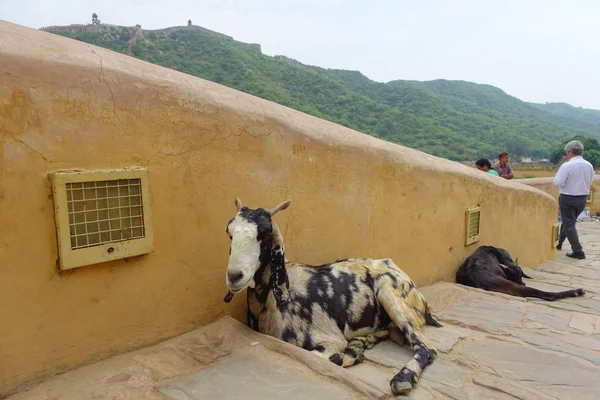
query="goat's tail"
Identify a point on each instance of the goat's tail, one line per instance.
(429, 320)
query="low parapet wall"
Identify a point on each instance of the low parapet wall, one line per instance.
(546, 185)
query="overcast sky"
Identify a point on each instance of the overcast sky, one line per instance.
(536, 50)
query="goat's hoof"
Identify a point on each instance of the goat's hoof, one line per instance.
(579, 292)
(400, 387)
(403, 381)
(433, 355)
(359, 359)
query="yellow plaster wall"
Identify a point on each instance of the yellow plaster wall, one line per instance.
(66, 105)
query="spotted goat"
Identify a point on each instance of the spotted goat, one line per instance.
(335, 310)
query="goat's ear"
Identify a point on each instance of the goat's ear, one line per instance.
(279, 281)
(238, 203)
(280, 207)
(277, 238)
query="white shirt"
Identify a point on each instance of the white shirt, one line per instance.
(575, 177)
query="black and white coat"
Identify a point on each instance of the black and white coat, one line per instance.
(335, 310)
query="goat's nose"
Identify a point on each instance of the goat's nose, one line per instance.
(234, 277)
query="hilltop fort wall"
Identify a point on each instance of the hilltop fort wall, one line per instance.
(76, 28)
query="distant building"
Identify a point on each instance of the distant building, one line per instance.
(526, 160)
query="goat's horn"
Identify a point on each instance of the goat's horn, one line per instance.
(238, 203)
(280, 207)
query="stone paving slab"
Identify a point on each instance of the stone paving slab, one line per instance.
(255, 377)
(492, 346)
(226, 356)
(531, 321)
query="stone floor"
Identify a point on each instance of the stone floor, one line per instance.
(492, 346)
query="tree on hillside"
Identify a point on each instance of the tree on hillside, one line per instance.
(189, 22)
(593, 156)
(591, 150)
(520, 146)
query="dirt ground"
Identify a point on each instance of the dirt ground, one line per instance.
(525, 173)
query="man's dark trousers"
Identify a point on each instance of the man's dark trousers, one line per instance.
(570, 208)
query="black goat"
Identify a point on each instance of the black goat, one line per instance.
(493, 269)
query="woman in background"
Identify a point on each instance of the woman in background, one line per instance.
(483, 164)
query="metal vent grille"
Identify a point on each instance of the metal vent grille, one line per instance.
(104, 212)
(473, 219)
(555, 234)
(102, 215)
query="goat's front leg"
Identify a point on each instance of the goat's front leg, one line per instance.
(368, 341)
(340, 354)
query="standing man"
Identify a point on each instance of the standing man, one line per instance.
(574, 179)
(503, 167)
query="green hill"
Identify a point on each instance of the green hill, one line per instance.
(567, 110)
(452, 119)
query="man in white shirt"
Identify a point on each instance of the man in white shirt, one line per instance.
(574, 179)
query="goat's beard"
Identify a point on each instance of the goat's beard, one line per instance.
(229, 296)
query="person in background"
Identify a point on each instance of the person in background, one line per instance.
(483, 164)
(573, 179)
(503, 167)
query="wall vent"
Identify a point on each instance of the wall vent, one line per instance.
(590, 197)
(473, 219)
(102, 215)
(555, 234)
